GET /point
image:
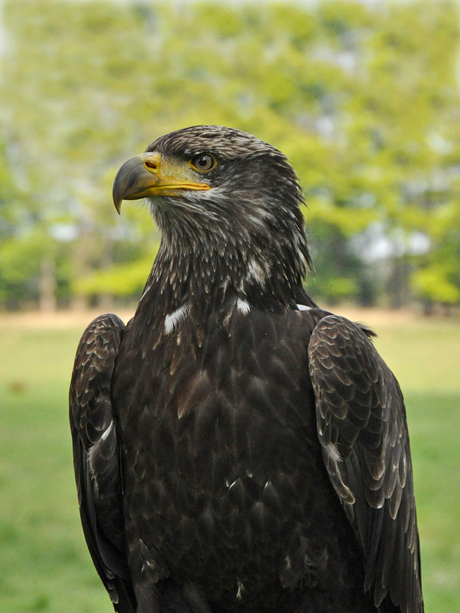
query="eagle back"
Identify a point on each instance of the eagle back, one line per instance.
(224, 480)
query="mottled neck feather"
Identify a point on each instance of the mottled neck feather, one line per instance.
(207, 271)
(228, 245)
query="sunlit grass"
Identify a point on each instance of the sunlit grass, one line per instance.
(44, 561)
(45, 565)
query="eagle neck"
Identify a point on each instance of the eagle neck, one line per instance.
(206, 261)
(198, 276)
(209, 276)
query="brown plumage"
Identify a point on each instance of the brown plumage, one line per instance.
(238, 449)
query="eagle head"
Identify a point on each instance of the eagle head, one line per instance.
(227, 200)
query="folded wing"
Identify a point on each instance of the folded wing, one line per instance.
(362, 428)
(96, 456)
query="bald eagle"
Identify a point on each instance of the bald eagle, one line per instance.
(238, 449)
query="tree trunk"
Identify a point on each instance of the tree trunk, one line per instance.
(398, 286)
(106, 300)
(48, 285)
(81, 265)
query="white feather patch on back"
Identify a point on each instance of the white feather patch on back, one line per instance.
(176, 318)
(302, 307)
(242, 306)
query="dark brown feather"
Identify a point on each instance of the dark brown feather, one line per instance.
(224, 483)
(96, 455)
(363, 431)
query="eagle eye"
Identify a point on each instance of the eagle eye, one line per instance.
(203, 162)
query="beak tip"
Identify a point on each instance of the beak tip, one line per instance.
(129, 181)
(117, 202)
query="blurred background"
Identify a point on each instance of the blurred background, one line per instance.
(364, 99)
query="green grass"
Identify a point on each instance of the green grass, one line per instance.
(43, 558)
(425, 357)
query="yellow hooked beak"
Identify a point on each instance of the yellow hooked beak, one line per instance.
(149, 174)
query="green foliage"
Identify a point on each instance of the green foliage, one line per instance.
(336, 289)
(363, 100)
(20, 265)
(433, 284)
(121, 280)
(20, 258)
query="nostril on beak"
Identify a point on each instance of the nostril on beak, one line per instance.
(152, 165)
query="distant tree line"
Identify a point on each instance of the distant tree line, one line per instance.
(363, 99)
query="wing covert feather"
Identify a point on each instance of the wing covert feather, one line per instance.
(96, 456)
(362, 429)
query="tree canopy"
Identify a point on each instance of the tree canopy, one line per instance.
(363, 99)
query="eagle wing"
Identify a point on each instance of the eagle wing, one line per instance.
(96, 456)
(362, 429)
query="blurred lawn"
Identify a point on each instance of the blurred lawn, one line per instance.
(43, 559)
